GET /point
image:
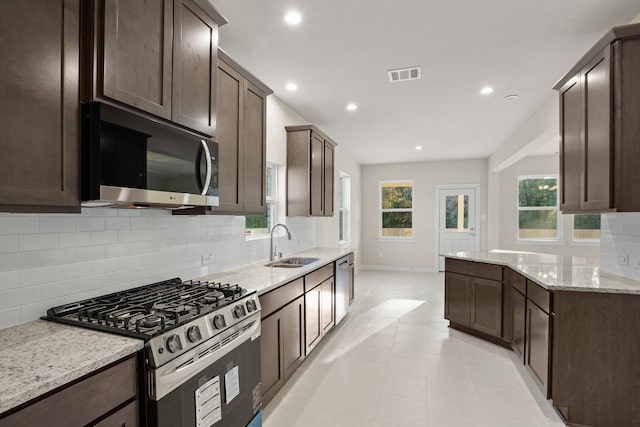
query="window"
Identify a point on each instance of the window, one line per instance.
(538, 208)
(261, 224)
(344, 206)
(396, 209)
(586, 228)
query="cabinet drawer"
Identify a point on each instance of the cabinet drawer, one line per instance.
(125, 417)
(314, 278)
(274, 300)
(475, 269)
(538, 295)
(82, 402)
(519, 282)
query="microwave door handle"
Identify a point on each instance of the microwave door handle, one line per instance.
(204, 148)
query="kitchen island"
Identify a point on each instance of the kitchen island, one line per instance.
(573, 325)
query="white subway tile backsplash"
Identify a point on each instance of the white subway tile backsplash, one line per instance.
(36, 242)
(49, 260)
(57, 257)
(18, 261)
(38, 276)
(104, 237)
(620, 237)
(9, 280)
(89, 223)
(70, 240)
(8, 244)
(19, 224)
(56, 224)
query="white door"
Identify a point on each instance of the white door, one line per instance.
(457, 230)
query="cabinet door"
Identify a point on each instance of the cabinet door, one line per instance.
(195, 53)
(271, 356)
(327, 305)
(137, 54)
(518, 319)
(537, 344)
(253, 151)
(570, 145)
(293, 336)
(596, 90)
(312, 322)
(457, 298)
(486, 306)
(317, 175)
(229, 111)
(39, 106)
(125, 417)
(328, 179)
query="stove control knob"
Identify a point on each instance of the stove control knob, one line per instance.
(251, 306)
(238, 311)
(219, 322)
(193, 334)
(174, 344)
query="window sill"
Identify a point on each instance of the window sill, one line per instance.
(396, 239)
(585, 242)
(257, 237)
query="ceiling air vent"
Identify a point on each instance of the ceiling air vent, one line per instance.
(403, 74)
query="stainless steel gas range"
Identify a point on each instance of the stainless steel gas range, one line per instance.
(202, 351)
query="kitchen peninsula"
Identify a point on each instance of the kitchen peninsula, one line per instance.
(571, 323)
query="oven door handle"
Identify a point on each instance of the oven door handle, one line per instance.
(178, 371)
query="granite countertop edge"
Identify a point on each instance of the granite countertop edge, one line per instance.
(606, 282)
(34, 363)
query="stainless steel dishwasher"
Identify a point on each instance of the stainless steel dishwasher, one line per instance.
(343, 286)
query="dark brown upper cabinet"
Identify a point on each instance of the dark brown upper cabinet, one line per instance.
(599, 110)
(39, 115)
(310, 172)
(158, 56)
(241, 136)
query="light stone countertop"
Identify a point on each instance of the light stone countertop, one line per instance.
(39, 356)
(556, 272)
(264, 279)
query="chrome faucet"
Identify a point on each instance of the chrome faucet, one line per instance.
(271, 252)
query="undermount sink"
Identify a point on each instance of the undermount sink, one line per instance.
(292, 262)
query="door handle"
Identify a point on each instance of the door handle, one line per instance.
(204, 148)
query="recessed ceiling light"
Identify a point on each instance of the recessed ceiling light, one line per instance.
(293, 18)
(487, 90)
(291, 87)
(511, 97)
(352, 107)
(418, 147)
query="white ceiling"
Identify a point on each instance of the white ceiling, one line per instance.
(341, 52)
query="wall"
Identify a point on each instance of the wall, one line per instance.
(48, 260)
(508, 203)
(419, 255)
(620, 237)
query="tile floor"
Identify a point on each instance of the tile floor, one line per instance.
(394, 362)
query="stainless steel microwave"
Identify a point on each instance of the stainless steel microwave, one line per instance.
(131, 160)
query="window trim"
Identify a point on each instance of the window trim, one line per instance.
(584, 242)
(271, 202)
(346, 209)
(399, 239)
(559, 218)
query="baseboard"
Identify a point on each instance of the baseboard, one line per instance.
(395, 268)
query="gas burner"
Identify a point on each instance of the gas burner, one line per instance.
(213, 297)
(152, 320)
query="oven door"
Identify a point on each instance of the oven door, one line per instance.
(225, 392)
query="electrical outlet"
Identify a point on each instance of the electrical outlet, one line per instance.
(623, 259)
(207, 259)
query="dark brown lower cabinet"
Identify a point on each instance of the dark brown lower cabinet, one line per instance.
(518, 319)
(457, 298)
(537, 347)
(281, 347)
(596, 358)
(486, 306)
(87, 402)
(327, 293)
(313, 328)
